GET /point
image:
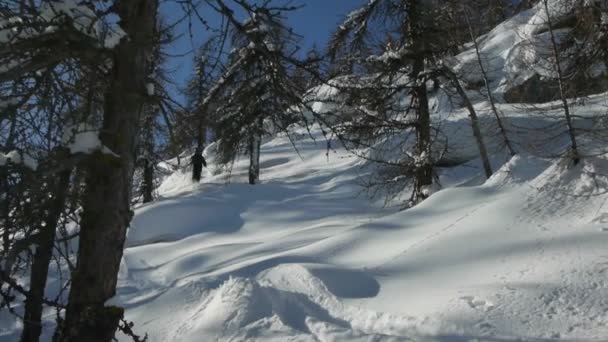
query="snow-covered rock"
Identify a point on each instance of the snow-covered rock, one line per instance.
(519, 51)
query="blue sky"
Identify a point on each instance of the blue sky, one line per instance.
(314, 22)
(319, 18)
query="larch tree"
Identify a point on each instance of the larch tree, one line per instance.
(106, 205)
(55, 51)
(255, 94)
(395, 93)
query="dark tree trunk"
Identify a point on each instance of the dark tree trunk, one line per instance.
(148, 181)
(424, 171)
(6, 209)
(198, 161)
(106, 208)
(424, 167)
(4, 187)
(255, 141)
(197, 165)
(32, 325)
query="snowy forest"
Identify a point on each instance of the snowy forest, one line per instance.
(212, 170)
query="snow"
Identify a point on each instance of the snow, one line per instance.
(84, 139)
(83, 18)
(11, 157)
(16, 158)
(113, 37)
(29, 162)
(150, 89)
(85, 142)
(303, 257)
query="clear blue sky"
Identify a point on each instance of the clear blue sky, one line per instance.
(319, 18)
(314, 22)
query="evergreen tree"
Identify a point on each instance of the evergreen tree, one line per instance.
(395, 95)
(256, 94)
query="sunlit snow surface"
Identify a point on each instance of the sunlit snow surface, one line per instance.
(306, 256)
(303, 257)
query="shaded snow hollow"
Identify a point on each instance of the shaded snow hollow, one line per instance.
(302, 257)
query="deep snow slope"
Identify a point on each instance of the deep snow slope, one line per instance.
(304, 257)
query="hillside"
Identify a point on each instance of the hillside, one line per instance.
(304, 256)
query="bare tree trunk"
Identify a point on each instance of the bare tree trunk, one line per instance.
(4, 187)
(424, 169)
(147, 154)
(106, 209)
(255, 141)
(501, 127)
(32, 325)
(197, 159)
(560, 80)
(148, 181)
(6, 210)
(483, 152)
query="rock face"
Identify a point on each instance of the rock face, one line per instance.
(580, 34)
(538, 89)
(534, 90)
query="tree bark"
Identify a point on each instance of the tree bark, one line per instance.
(255, 141)
(424, 166)
(148, 186)
(32, 325)
(198, 159)
(424, 172)
(106, 208)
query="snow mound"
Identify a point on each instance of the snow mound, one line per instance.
(234, 305)
(519, 169)
(578, 193)
(285, 302)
